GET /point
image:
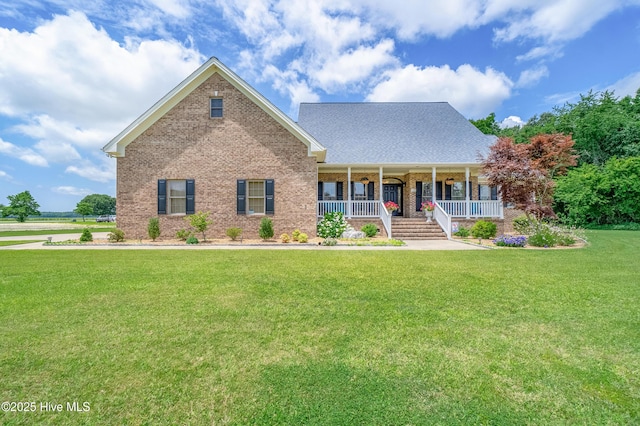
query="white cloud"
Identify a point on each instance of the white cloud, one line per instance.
(27, 155)
(71, 190)
(531, 76)
(5, 176)
(103, 172)
(626, 86)
(474, 93)
(511, 121)
(57, 152)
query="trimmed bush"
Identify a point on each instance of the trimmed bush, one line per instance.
(303, 238)
(266, 228)
(234, 233)
(86, 236)
(370, 230)
(153, 228)
(285, 238)
(116, 236)
(183, 234)
(295, 234)
(484, 230)
(462, 232)
(192, 240)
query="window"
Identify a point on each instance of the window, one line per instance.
(176, 196)
(487, 192)
(457, 191)
(216, 108)
(256, 197)
(427, 192)
(359, 191)
(329, 190)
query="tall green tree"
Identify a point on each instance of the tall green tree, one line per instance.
(487, 125)
(21, 206)
(84, 209)
(100, 203)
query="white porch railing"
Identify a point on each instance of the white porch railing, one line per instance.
(357, 209)
(443, 219)
(472, 208)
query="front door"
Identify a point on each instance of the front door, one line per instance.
(393, 192)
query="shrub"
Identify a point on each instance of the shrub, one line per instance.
(548, 235)
(200, 222)
(183, 234)
(86, 236)
(116, 236)
(295, 234)
(542, 237)
(522, 225)
(332, 225)
(153, 228)
(330, 242)
(484, 230)
(370, 230)
(285, 238)
(303, 238)
(234, 233)
(192, 240)
(510, 241)
(462, 232)
(266, 228)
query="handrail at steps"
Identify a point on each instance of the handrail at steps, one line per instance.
(443, 219)
(385, 216)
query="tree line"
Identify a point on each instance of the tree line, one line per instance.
(23, 205)
(602, 186)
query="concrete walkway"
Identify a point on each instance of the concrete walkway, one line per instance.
(410, 245)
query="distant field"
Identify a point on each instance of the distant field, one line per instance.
(494, 337)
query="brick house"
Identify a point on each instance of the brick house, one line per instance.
(215, 144)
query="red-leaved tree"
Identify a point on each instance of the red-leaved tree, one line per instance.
(524, 172)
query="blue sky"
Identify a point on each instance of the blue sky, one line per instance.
(74, 73)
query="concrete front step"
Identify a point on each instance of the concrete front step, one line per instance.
(416, 229)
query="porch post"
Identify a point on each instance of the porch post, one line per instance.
(433, 184)
(467, 192)
(349, 192)
(501, 204)
(380, 185)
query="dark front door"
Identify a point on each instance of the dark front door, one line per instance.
(393, 192)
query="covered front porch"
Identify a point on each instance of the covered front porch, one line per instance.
(458, 191)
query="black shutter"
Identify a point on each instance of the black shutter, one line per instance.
(352, 188)
(241, 202)
(269, 193)
(447, 192)
(320, 191)
(439, 190)
(339, 191)
(191, 196)
(479, 193)
(371, 192)
(162, 196)
(469, 188)
(494, 193)
(418, 196)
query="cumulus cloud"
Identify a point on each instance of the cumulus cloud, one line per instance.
(27, 155)
(511, 121)
(105, 171)
(531, 76)
(71, 190)
(474, 93)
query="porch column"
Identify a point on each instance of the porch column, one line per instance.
(433, 184)
(349, 192)
(467, 195)
(501, 204)
(380, 185)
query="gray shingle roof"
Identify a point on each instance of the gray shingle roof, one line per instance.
(400, 133)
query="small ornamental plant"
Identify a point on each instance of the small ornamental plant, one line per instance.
(370, 230)
(285, 238)
(391, 206)
(303, 238)
(86, 236)
(234, 233)
(295, 234)
(116, 236)
(484, 230)
(510, 241)
(192, 240)
(153, 228)
(332, 225)
(183, 234)
(266, 229)
(428, 206)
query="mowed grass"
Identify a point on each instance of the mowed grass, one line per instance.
(15, 242)
(52, 231)
(324, 337)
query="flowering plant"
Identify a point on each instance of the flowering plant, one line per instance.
(510, 241)
(428, 206)
(391, 206)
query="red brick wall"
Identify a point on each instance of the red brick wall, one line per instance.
(245, 144)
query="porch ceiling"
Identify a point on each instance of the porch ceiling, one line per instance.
(399, 169)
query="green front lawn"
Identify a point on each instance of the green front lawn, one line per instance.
(52, 231)
(324, 337)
